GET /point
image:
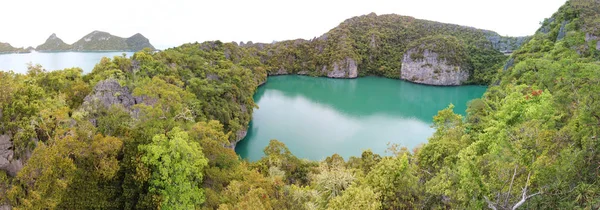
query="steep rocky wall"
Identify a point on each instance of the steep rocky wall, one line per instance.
(7, 161)
(346, 68)
(431, 70)
(241, 134)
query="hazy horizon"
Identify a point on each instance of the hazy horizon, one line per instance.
(169, 24)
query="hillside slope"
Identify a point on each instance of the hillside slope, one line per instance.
(53, 43)
(531, 141)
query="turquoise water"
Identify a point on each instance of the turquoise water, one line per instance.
(317, 117)
(55, 61)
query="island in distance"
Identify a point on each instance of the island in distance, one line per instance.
(7, 48)
(93, 42)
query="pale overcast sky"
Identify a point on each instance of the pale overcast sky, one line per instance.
(174, 22)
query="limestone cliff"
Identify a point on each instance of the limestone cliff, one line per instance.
(436, 60)
(431, 70)
(344, 69)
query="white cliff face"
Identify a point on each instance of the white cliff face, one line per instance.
(344, 69)
(431, 70)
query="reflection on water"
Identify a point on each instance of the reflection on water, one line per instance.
(317, 117)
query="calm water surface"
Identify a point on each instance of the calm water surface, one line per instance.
(55, 61)
(317, 117)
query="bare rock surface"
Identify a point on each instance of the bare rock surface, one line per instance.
(110, 92)
(431, 70)
(346, 68)
(8, 162)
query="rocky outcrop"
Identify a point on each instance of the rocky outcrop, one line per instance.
(562, 32)
(431, 70)
(110, 92)
(506, 44)
(8, 162)
(5, 207)
(241, 134)
(344, 69)
(546, 25)
(509, 63)
(590, 37)
(281, 71)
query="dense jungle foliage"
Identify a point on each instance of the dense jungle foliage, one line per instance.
(531, 142)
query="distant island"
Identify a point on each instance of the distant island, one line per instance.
(93, 42)
(7, 48)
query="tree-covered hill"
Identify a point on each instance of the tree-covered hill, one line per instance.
(154, 132)
(377, 44)
(53, 43)
(7, 48)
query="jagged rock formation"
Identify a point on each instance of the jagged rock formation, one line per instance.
(98, 41)
(108, 93)
(53, 43)
(506, 44)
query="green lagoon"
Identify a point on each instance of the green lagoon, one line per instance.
(317, 117)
